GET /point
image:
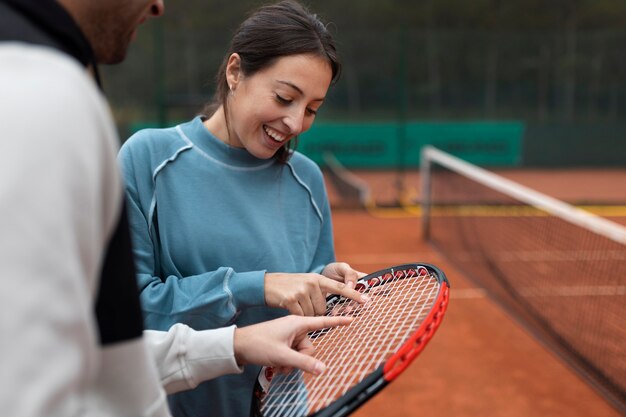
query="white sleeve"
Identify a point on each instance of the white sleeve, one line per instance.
(186, 357)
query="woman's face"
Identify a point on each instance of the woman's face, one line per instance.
(271, 107)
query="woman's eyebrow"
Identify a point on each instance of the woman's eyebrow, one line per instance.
(298, 89)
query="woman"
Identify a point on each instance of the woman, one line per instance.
(229, 224)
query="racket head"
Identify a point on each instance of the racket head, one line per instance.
(407, 304)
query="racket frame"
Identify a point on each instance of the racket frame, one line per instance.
(392, 367)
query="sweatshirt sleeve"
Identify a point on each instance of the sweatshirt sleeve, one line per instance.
(186, 357)
(208, 300)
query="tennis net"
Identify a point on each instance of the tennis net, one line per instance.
(558, 270)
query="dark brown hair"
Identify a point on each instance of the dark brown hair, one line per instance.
(269, 33)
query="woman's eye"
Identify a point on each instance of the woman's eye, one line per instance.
(282, 100)
(311, 111)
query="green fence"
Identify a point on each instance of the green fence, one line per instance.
(393, 146)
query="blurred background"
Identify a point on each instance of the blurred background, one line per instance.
(527, 82)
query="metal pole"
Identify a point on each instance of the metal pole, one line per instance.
(425, 167)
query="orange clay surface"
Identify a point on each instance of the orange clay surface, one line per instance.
(481, 362)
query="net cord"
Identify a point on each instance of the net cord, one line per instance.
(582, 218)
(340, 173)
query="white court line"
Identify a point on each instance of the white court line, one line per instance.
(577, 291)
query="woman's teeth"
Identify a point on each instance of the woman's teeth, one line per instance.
(274, 135)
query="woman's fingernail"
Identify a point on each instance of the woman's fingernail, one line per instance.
(319, 368)
(365, 298)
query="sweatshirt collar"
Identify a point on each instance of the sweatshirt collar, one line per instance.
(228, 155)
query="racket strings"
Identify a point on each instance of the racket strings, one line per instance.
(347, 372)
(367, 355)
(396, 309)
(342, 366)
(345, 364)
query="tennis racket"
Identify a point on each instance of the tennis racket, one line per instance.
(407, 304)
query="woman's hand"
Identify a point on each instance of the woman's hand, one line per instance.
(305, 294)
(341, 271)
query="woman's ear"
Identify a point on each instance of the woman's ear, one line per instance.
(233, 71)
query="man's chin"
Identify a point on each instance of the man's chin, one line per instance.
(111, 57)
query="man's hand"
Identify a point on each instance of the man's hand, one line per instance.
(283, 343)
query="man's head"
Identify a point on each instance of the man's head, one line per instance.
(110, 25)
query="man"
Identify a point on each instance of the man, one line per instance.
(70, 322)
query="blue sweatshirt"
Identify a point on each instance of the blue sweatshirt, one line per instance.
(208, 221)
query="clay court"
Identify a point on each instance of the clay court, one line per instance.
(482, 362)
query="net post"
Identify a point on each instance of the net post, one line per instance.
(425, 191)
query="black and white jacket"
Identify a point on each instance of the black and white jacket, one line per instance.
(71, 339)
